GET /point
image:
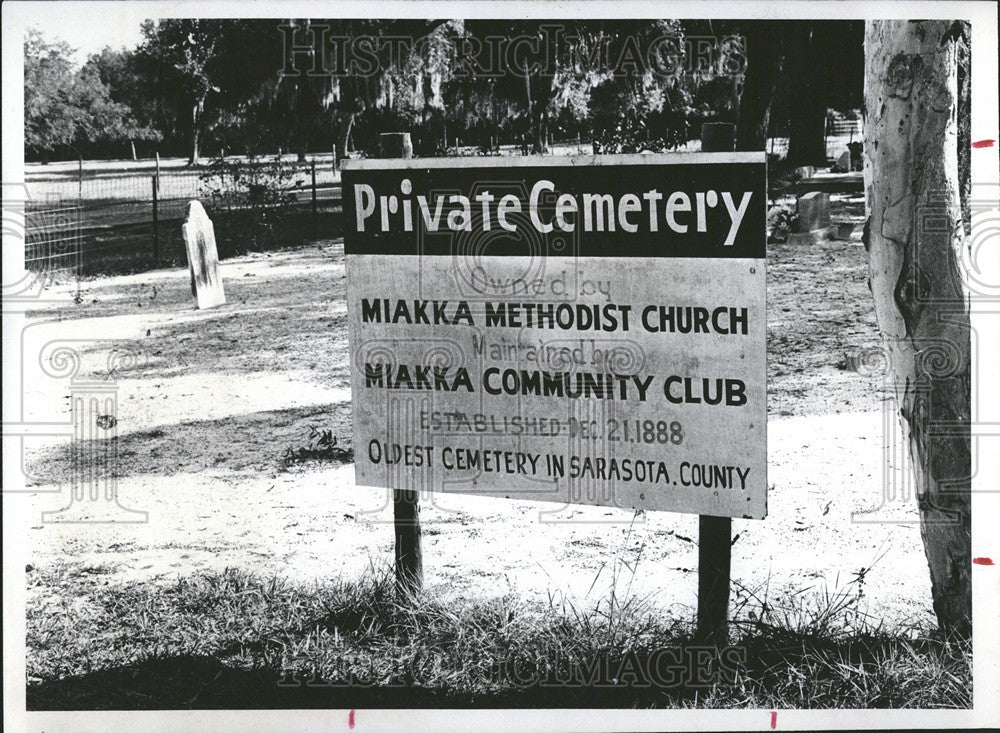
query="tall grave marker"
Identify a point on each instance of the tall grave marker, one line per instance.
(203, 257)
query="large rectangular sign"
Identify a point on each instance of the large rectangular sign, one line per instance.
(581, 330)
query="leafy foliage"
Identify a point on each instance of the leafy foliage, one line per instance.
(251, 194)
(214, 85)
(67, 108)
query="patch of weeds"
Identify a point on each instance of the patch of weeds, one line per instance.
(780, 222)
(322, 446)
(234, 639)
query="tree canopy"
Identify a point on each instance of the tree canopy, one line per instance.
(205, 86)
(67, 108)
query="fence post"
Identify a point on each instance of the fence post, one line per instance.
(715, 550)
(315, 224)
(79, 177)
(156, 218)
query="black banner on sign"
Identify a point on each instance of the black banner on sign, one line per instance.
(685, 205)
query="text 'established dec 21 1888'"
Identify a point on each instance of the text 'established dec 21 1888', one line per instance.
(579, 330)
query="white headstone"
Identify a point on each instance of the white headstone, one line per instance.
(843, 164)
(203, 257)
(813, 211)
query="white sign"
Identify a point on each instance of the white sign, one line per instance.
(581, 330)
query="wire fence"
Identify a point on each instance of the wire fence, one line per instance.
(53, 241)
(117, 217)
(116, 221)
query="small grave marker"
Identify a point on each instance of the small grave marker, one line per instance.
(843, 164)
(203, 257)
(813, 212)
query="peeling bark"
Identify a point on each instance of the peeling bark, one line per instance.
(915, 236)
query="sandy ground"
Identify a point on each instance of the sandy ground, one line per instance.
(209, 401)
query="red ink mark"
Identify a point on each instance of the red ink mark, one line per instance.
(774, 720)
(350, 720)
(983, 143)
(983, 560)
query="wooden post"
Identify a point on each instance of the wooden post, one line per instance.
(79, 177)
(409, 553)
(714, 562)
(715, 550)
(405, 502)
(156, 220)
(312, 168)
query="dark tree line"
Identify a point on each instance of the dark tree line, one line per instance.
(796, 71)
(197, 87)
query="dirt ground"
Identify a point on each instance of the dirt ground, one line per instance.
(208, 403)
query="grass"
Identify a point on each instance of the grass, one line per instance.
(233, 639)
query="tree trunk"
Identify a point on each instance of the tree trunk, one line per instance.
(539, 95)
(764, 51)
(196, 110)
(395, 145)
(965, 123)
(915, 237)
(530, 133)
(807, 136)
(193, 159)
(345, 135)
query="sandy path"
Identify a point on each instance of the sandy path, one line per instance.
(316, 523)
